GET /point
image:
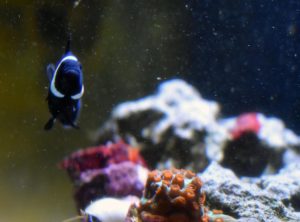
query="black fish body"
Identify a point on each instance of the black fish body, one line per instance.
(65, 91)
(64, 109)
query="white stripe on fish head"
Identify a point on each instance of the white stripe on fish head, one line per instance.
(52, 86)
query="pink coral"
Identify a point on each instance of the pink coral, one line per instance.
(116, 180)
(99, 157)
(246, 123)
(111, 170)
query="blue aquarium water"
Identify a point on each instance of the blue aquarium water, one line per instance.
(243, 55)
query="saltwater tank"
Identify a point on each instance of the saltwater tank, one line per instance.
(210, 87)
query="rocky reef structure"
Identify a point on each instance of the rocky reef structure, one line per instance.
(169, 126)
(176, 127)
(114, 170)
(263, 199)
(172, 196)
(113, 193)
(113, 185)
(248, 161)
(249, 136)
(248, 164)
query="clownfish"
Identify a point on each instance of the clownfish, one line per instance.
(65, 90)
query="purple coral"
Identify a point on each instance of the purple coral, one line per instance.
(116, 180)
(124, 179)
(114, 170)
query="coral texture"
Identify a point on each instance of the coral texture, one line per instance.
(98, 157)
(116, 180)
(246, 123)
(172, 195)
(114, 170)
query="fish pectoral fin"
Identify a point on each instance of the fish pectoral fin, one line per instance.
(49, 124)
(50, 71)
(75, 126)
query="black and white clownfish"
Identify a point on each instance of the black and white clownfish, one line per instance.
(65, 90)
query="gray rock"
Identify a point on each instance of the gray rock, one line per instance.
(285, 185)
(252, 144)
(170, 126)
(240, 199)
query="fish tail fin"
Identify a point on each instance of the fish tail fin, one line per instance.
(49, 124)
(71, 125)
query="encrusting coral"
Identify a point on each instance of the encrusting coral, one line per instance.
(245, 123)
(99, 157)
(115, 170)
(172, 196)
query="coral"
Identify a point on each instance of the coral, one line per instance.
(172, 195)
(114, 170)
(109, 209)
(99, 157)
(116, 180)
(249, 136)
(169, 196)
(246, 123)
(270, 130)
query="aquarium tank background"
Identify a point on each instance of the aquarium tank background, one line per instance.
(242, 54)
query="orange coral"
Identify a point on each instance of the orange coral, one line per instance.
(172, 195)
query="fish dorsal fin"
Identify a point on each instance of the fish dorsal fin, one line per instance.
(68, 46)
